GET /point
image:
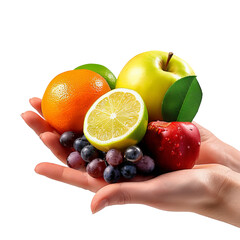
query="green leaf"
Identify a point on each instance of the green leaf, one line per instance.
(182, 100)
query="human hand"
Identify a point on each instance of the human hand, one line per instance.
(213, 150)
(209, 151)
(185, 190)
(50, 137)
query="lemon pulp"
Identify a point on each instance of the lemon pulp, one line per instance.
(116, 119)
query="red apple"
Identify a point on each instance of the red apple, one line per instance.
(173, 145)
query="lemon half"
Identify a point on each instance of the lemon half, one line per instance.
(117, 119)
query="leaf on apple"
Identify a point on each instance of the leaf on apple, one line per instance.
(182, 100)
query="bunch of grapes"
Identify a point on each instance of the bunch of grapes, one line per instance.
(112, 165)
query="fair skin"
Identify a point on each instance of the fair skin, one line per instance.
(211, 188)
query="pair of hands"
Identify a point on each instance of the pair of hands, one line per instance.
(202, 190)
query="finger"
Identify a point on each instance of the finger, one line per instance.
(120, 193)
(51, 140)
(170, 191)
(38, 124)
(36, 103)
(205, 134)
(71, 176)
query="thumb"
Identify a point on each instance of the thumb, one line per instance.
(119, 193)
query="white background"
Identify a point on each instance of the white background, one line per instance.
(40, 39)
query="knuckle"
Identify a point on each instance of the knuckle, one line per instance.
(123, 196)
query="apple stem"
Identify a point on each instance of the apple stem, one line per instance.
(170, 54)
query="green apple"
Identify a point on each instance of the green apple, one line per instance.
(151, 74)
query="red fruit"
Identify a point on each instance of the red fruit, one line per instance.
(173, 145)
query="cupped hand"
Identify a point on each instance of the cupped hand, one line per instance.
(50, 137)
(186, 190)
(212, 149)
(209, 152)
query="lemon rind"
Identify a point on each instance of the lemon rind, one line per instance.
(129, 132)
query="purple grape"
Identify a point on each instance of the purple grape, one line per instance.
(67, 138)
(114, 157)
(89, 153)
(133, 154)
(96, 168)
(146, 165)
(80, 143)
(128, 170)
(111, 174)
(74, 160)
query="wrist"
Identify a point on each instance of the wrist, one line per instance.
(224, 194)
(229, 207)
(232, 157)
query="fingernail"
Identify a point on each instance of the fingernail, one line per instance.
(22, 115)
(36, 169)
(101, 205)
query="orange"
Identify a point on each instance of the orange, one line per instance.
(68, 97)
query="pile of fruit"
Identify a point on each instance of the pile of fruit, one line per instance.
(137, 124)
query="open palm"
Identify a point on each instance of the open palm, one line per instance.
(50, 137)
(178, 191)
